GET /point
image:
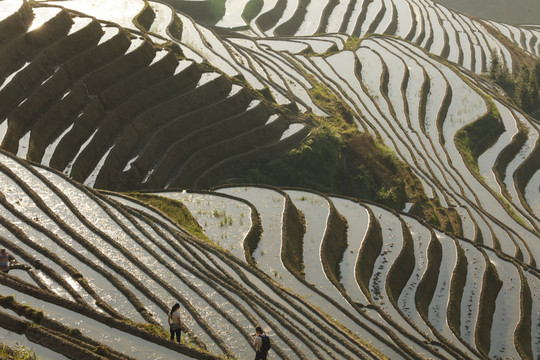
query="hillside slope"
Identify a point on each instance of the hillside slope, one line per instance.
(158, 97)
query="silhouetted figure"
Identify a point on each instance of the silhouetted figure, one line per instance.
(175, 322)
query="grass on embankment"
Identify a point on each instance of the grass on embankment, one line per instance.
(473, 139)
(19, 352)
(175, 210)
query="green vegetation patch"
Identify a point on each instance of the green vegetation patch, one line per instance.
(175, 210)
(154, 329)
(338, 158)
(353, 43)
(472, 140)
(217, 8)
(28, 312)
(20, 352)
(143, 21)
(252, 9)
(522, 86)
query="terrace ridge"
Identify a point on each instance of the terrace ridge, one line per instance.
(16, 24)
(69, 102)
(47, 296)
(215, 130)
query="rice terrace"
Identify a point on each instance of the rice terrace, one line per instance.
(361, 178)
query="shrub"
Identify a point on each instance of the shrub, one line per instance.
(523, 87)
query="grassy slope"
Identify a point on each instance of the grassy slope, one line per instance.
(175, 210)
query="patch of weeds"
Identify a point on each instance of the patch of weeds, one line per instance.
(101, 350)
(20, 352)
(154, 329)
(225, 219)
(175, 210)
(353, 43)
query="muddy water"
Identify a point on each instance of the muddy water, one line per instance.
(470, 303)
(438, 31)
(313, 17)
(162, 20)
(439, 304)
(337, 16)
(233, 14)
(261, 288)
(100, 285)
(532, 194)
(421, 240)
(478, 41)
(408, 128)
(289, 11)
(534, 184)
(270, 205)
(374, 8)
(33, 235)
(507, 311)
(319, 46)
(161, 266)
(534, 285)
(316, 211)
(467, 224)
(289, 77)
(193, 38)
(242, 64)
(392, 246)
(405, 18)
(451, 125)
(387, 18)
(220, 56)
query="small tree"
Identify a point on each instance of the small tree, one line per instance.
(500, 74)
(523, 88)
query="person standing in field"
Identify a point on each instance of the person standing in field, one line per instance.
(4, 261)
(8, 262)
(175, 322)
(261, 342)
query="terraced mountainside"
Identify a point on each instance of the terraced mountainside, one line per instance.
(157, 97)
(388, 285)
